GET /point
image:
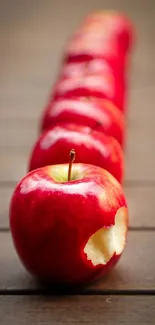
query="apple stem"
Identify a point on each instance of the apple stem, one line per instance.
(71, 159)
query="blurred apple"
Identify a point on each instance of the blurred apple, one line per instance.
(100, 115)
(92, 147)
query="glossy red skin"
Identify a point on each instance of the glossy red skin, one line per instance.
(113, 40)
(99, 86)
(79, 69)
(100, 44)
(51, 222)
(118, 25)
(96, 67)
(85, 48)
(101, 115)
(91, 147)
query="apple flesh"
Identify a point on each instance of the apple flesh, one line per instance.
(69, 232)
(92, 147)
(100, 115)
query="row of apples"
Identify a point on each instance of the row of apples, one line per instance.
(69, 221)
(88, 102)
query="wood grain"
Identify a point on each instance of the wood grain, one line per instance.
(121, 310)
(140, 200)
(135, 270)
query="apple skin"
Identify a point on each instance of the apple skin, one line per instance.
(86, 47)
(91, 147)
(96, 67)
(101, 115)
(51, 221)
(116, 23)
(104, 35)
(94, 44)
(98, 86)
(79, 69)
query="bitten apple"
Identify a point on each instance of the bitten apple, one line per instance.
(100, 115)
(92, 147)
(69, 231)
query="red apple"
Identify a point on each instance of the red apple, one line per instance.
(99, 86)
(101, 115)
(80, 69)
(106, 35)
(95, 37)
(85, 48)
(116, 23)
(92, 147)
(96, 67)
(69, 231)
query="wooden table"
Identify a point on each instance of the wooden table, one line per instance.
(32, 36)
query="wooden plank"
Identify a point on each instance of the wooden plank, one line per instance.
(140, 200)
(5, 195)
(141, 107)
(18, 135)
(140, 157)
(13, 166)
(22, 107)
(125, 310)
(141, 206)
(135, 270)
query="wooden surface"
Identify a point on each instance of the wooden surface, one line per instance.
(77, 310)
(32, 35)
